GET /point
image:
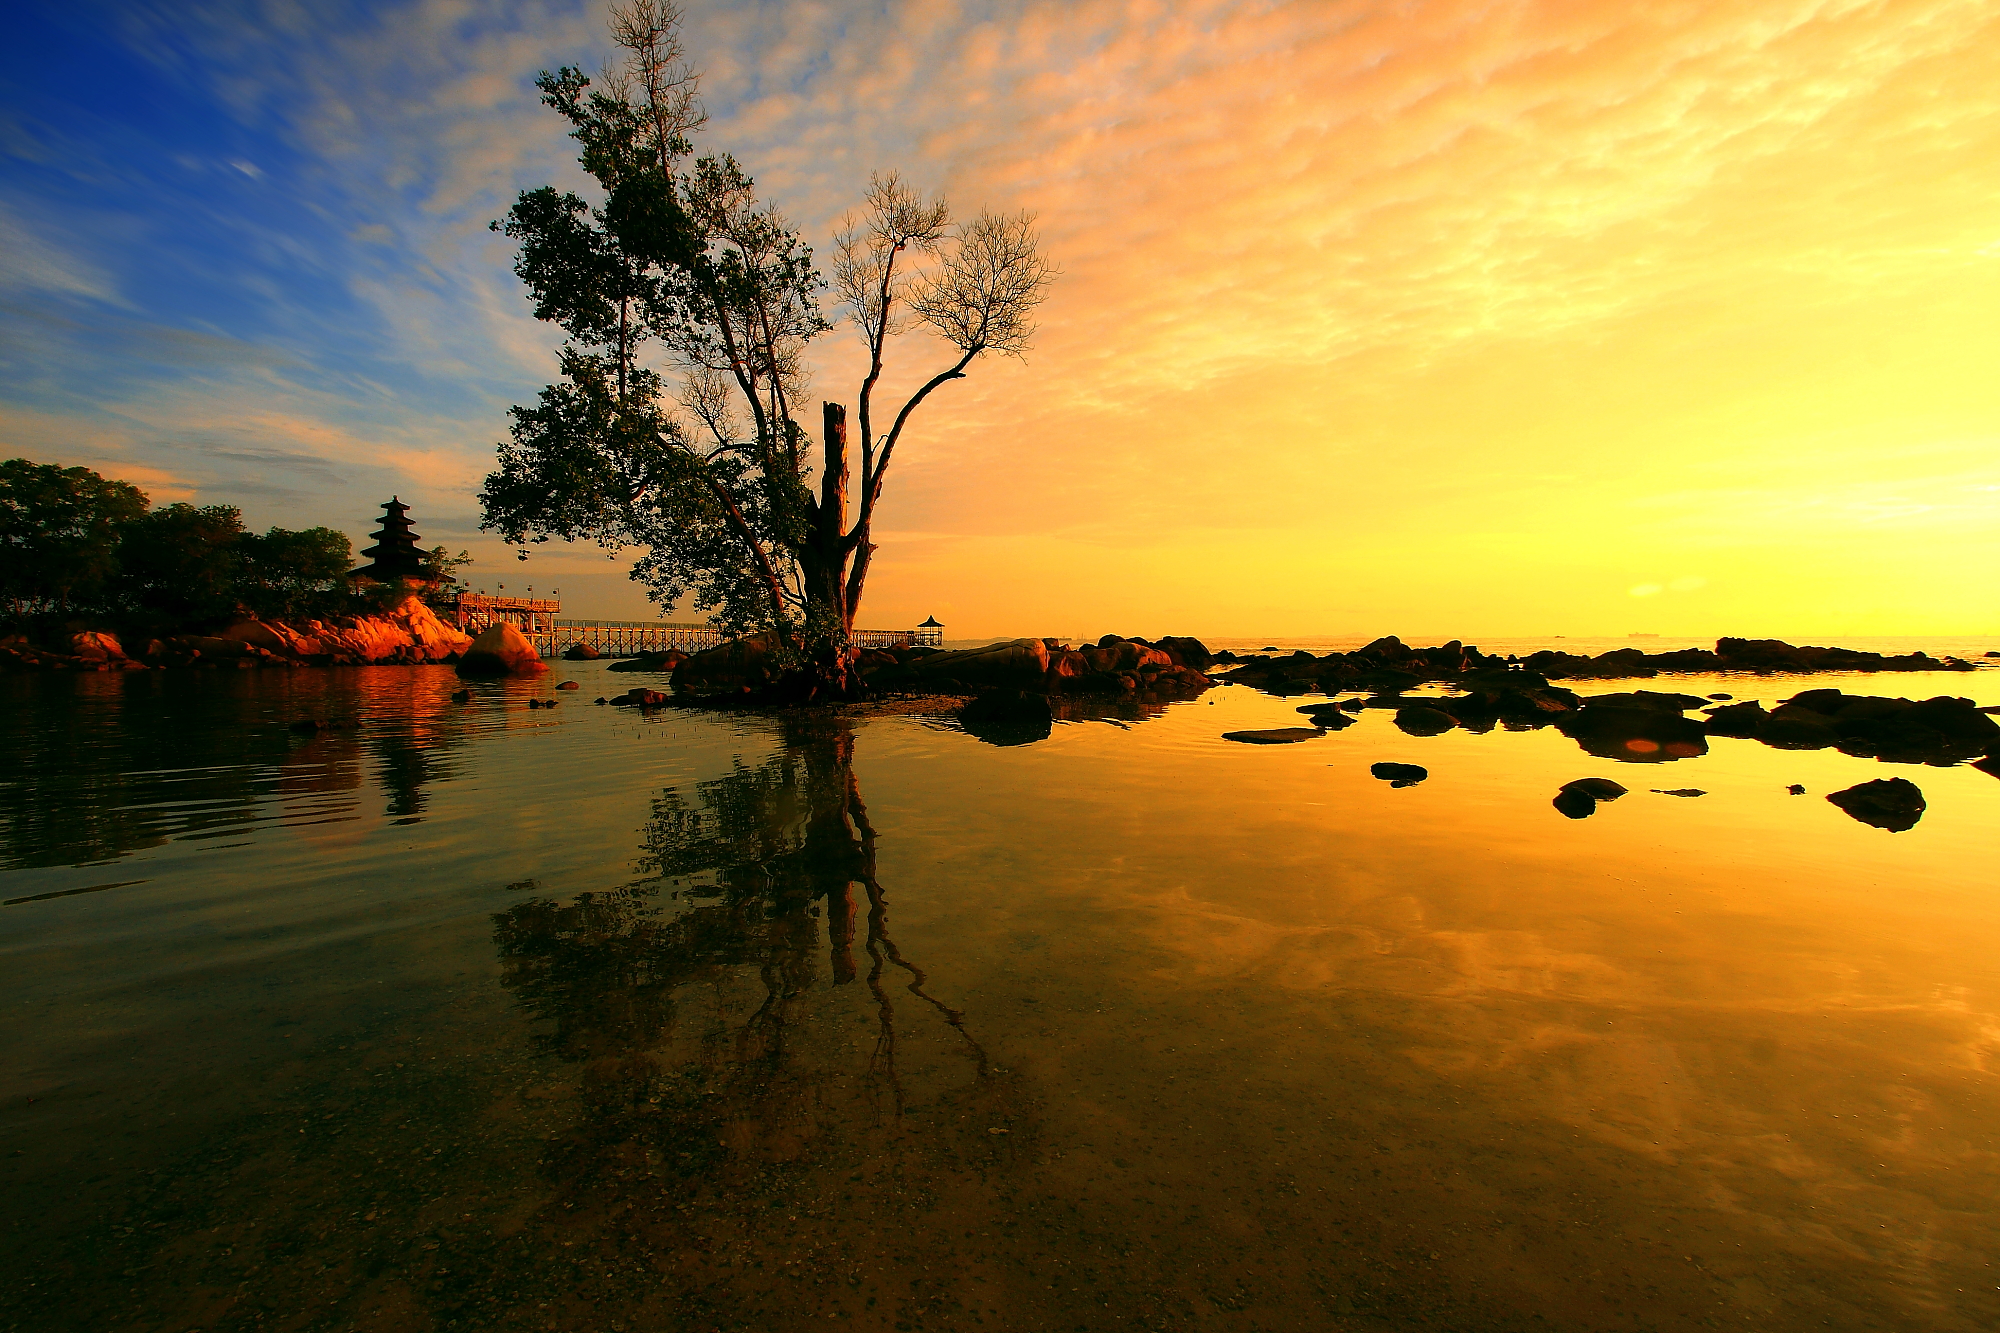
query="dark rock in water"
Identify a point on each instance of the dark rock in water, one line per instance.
(1989, 764)
(1649, 700)
(1895, 804)
(1400, 775)
(461, 696)
(640, 697)
(1722, 696)
(1575, 804)
(666, 661)
(1424, 721)
(1275, 735)
(569, 685)
(1645, 731)
(1679, 791)
(1796, 789)
(1790, 727)
(1740, 720)
(601, 700)
(1329, 716)
(1353, 705)
(581, 652)
(748, 663)
(1008, 717)
(1597, 789)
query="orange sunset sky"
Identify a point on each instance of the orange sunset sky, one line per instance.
(1435, 317)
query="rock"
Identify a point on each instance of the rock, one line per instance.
(1422, 721)
(97, 646)
(1597, 789)
(1018, 664)
(501, 650)
(1575, 804)
(1642, 728)
(1895, 804)
(1329, 716)
(461, 696)
(1722, 696)
(581, 652)
(1648, 700)
(569, 685)
(1790, 727)
(1186, 652)
(1679, 791)
(740, 664)
(1399, 775)
(1796, 789)
(1008, 717)
(1990, 764)
(1739, 720)
(641, 697)
(1275, 735)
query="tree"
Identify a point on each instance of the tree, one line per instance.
(681, 279)
(284, 573)
(59, 535)
(181, 563)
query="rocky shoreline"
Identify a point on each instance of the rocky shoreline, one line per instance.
(406, 634)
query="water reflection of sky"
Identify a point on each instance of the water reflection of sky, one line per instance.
(685, 1022)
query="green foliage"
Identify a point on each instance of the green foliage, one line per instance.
(181, 562)
(285, 573)
(59, 535)
(74, 544)
(441, 565)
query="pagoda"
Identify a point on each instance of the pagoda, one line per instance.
(394, 556)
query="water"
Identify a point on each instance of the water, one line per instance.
(488, 1017)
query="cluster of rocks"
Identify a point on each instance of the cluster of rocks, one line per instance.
(1649, 725)
(408, 633)
(1113, 666)
(1938, 730)
(1388, 658)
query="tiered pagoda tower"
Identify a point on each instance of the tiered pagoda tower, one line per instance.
(395, 555)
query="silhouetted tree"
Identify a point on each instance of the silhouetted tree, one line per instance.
(682, 271)
(283, 573)
(59, 535)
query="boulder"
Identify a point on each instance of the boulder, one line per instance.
(740, 664)
(1895, 804)
(1575, 804)
(581, 652)
(1186, 652)
(1274, 735)
(501, 650)
(641, 697)
(1424, 721)
(667, 661)
(1740, 720)
(1329, 716)
(1018, 664)
(1008, 717)
(97, 646)
(1641, 730)
(1400, 775)
(1597, 789)
(1678, 791)
(570, 685)
(1795, 727)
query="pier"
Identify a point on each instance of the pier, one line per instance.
(540, 622)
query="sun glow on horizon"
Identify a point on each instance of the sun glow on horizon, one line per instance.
(1444, 314)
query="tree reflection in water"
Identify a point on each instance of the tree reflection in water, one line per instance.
(756, 859)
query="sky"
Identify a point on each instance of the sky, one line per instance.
(1441, 317)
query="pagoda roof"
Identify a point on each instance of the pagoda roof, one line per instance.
(931, 623)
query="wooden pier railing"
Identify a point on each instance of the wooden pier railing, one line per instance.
(536, 618)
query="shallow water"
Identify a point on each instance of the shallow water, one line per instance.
(478, 1016)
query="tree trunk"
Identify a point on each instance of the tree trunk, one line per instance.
(830, 672)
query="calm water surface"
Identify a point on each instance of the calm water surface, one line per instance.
(478, 1016)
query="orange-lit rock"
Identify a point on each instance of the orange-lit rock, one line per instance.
(501, 650)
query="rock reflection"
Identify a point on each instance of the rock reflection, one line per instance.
(737, 879)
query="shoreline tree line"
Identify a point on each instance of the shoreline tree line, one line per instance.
(77, 546)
